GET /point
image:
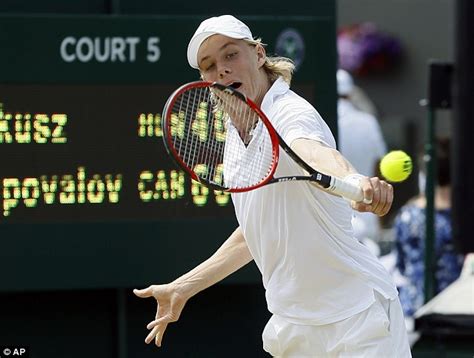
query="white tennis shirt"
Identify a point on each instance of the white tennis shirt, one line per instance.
(313, 269)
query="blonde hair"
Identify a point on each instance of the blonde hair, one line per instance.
(276, 66)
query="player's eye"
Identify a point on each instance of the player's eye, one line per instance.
(231, 55)
(209, 67)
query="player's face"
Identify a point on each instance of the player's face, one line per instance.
(234, 63)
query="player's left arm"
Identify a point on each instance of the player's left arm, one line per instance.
(330, 161)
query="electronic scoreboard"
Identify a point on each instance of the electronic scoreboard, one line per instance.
(88, 195)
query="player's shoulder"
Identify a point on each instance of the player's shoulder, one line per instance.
(293, 103)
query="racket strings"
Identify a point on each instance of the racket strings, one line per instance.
(196, 147)
(243, 118)
(221, 138)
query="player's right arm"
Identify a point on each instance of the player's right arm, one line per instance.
(329, 160)
(171, 298)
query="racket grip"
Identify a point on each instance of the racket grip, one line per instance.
(347, 189)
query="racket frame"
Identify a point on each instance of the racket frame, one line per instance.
(166, 125)
(330, 183)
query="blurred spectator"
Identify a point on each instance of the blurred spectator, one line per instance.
(361, 101)
(364, 49)
(410, 239)
(361, 142)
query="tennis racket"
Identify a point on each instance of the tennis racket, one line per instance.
(223, 140)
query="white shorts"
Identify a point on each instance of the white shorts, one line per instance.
(379, 331)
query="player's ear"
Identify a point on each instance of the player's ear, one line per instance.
(261, 55)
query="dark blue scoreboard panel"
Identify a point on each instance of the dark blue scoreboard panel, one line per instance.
(88, 195)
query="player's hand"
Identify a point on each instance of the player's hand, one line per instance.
(378, 193)
(170, 304)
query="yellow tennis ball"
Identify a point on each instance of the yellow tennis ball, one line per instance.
(396, 166)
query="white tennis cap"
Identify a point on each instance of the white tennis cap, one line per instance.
(226, 25)
(345, 83)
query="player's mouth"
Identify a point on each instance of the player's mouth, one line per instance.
(235, 85)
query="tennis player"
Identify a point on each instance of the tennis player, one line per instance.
(328, 294)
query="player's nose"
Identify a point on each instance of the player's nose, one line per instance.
(224, 71)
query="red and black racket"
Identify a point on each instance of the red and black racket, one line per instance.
(225, 141)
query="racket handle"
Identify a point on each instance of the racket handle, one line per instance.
(347, 189)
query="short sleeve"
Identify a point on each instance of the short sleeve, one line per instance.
(306, 125)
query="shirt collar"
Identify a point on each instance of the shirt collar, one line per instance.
(278, 88)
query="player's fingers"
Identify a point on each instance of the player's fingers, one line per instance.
(360, 206)
(379, 205)
(151, 335)
(366, 203)
(377, 197)
(157, 339)
(156, 333)
(367, 189)
(160, 334)
(144, 293)
(380, 195)
(153, 324)
(388, 200)
(158, 321)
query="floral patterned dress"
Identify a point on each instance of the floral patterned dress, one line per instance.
(410, 246)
